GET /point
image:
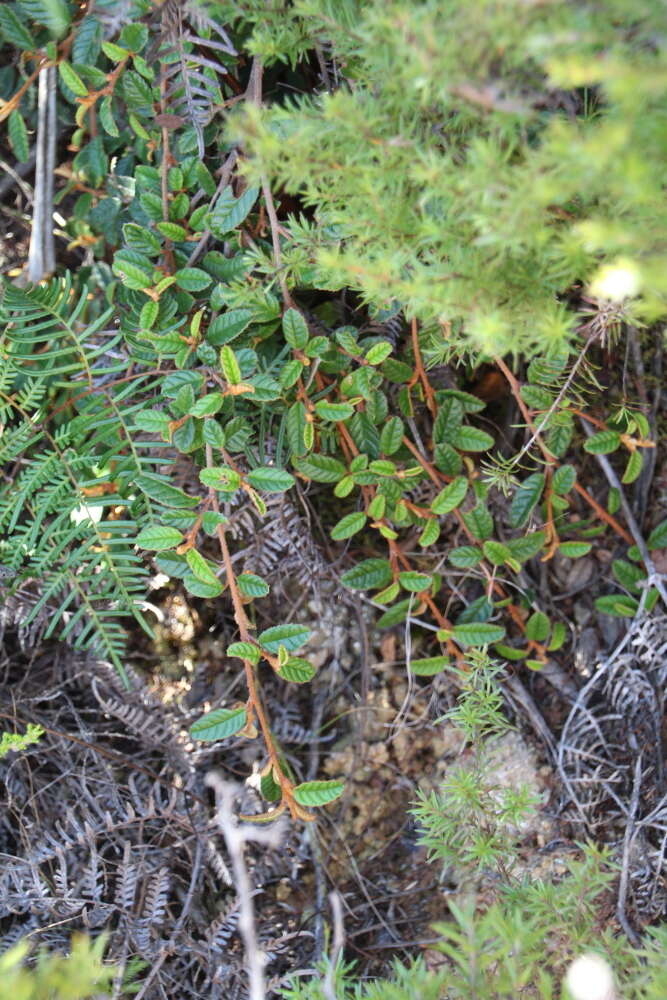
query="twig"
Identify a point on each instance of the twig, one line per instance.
(42, 256)
(329, 984)
(235, 838)
(420, 374)
(254, 707)
(15, 176)
(254, 95)
(169, 259)
(568, 382)
(275, 241)
(551, 460)
(225, 175)
(627, 844)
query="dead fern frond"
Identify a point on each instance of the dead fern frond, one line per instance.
(190, 52)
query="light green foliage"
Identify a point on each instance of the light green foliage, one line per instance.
(527, 930)
(19, 741)
(450, 176)
(79, 975)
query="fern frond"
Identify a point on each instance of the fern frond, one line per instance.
(191, 44)
(60, 507)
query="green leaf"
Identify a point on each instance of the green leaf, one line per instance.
(430, 534)
(564, 479)
(270, 479)
(333, 411)
(141, 239)
(207, 405)
(268, 786)
(295, 427)
(230, 212)
(509, 652)
(627, 574)
(290, 373)
(230, 366)
(471, 439)
(477, 633)
(479, 610)
(134, 270)
(245, 651)
(415, 582)
(264, 389)
(227, 327)
(603, 443)
(633, 468)
(528, 546)
(448, 420)
(159, 537)
(201, 567)
(451, 497)
(295, 329)
(318, 793)
(192, 279)
(389, 593)
(219, 724)
(447, 459)
(618, 605)
(134, 36)
(297, 670)
(465, 556)
(574, 550)
(320, 468)
(558, 636)
(200, 588)
(174, 232)
(429, 665)
(172, 565)
(479, 522)
(18, 136)
(658, 537)
(152, 421)
(391, 436)
(114, 52)
(53, 14)
(365, 434)
(470, 403)
(210, 521)
(289, 636)
(382, 467)
(164, 493)
(15, 31)
(149, 314)
(370, 573)
(71, 79)
(396, 615)
(348, 525)
(526, 496)
(219, 477)
(496, 552)
(538, 627)
(252, 585)
(379, 353)
(536, 397)
(139, 98)
(107, 118)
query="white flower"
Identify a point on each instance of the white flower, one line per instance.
(589, 978)
(615, 282)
